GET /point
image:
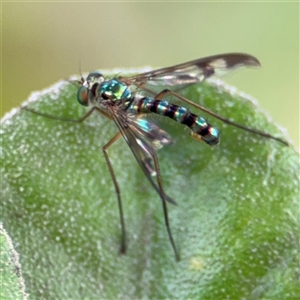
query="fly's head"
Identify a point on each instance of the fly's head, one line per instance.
(88, 88)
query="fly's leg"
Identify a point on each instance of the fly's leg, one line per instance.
(115, 138)
(164, 203)
(117, 189)
(48, 116)
(166, 92)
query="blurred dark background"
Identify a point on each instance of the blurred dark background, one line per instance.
(44, 42)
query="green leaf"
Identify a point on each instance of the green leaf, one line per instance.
(12, 282)
(236, 223)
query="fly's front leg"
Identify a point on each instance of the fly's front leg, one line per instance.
(115, 138)
(117, 189)
(67, 119)
(166, 92)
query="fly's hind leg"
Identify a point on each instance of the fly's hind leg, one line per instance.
(166, 92)
(165, 208)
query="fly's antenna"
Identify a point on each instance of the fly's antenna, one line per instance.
(81, 77)
(76, 82)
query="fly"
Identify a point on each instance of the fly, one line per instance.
(119, 99)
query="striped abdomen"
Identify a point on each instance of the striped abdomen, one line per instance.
(198, 125)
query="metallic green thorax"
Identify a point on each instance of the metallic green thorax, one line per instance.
(114, 90)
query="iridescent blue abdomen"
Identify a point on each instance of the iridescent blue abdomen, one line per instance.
(201, 129)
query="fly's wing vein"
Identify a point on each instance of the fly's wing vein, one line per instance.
(194, 71)
(143, 138)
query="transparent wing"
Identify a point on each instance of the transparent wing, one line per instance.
(143, 138)
(194, 71)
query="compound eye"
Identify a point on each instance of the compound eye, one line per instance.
(83, 96)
